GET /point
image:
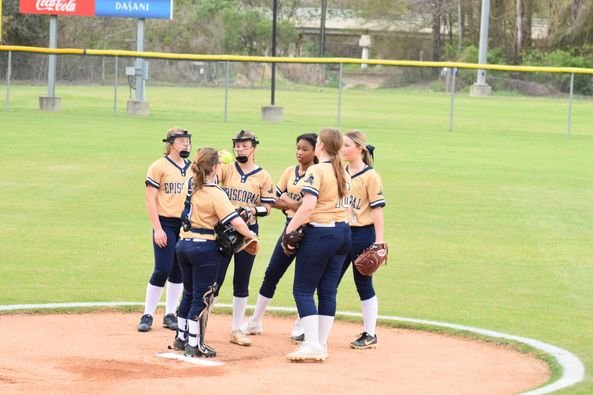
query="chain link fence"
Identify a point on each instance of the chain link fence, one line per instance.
(31, 69)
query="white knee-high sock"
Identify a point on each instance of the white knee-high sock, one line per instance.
(297, 327)
(173, 294)
(370, 312)
(311, 327)
(260, 307)
(181, 328)
(192, 332)
(325, 326)
(153, 295)
(239, 305)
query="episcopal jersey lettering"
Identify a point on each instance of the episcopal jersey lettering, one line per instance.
(171, 181)
(321, 182)
(366, 193)
(246, 190)
(290, 183)
(209, 205)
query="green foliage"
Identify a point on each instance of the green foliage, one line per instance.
(23, 29)
(583, 83)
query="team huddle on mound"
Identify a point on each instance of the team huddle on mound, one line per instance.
(205, 213)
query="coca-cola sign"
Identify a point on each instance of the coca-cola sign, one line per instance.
(58, 7)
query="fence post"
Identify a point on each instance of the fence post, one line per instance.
(115, 84)
(8, 76)
(452, 100)
(226, 89)
(340, 93)
(570, 104)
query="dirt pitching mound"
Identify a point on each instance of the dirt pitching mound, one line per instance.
(103, 353)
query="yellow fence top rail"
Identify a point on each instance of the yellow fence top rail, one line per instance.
(279, 59)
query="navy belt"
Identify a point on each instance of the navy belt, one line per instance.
(203, 231)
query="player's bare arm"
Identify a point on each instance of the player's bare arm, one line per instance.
(160, 237)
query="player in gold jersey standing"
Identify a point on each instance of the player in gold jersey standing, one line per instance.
(324, 214)
(165, 193)
(366, 223)
(252, 188)
(198, 254)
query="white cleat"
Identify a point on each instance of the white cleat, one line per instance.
(250, 327)
(308, 352)
(238, 337)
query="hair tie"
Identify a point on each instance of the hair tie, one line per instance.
(371, 149)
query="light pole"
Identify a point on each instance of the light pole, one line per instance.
(480, 88)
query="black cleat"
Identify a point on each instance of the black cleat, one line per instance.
(179, 344)
(145, 323)
(170, 321)
(298, 339)
(196, 351)
(364, 341)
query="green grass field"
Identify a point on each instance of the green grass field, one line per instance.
(490, 225)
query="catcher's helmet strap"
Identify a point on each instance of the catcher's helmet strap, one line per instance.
(184, 133)
(241, 137)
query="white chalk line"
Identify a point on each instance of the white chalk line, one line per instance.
(573, 370)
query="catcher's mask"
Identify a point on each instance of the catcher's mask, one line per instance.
(181, 133)
(244, 135)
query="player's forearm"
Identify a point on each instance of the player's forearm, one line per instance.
(378, 222)
(152, 209)
(241, 227)
(302, 214)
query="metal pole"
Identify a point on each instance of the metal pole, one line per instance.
(452, 100)
(116, 83)
(139, 61)
(322, 28)
(483, 50)
(226, 89)
(570, 104)
(274, 17)
(8, 76)
(340, 94)
(53, 43)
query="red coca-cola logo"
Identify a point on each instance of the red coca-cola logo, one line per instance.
(58, 7)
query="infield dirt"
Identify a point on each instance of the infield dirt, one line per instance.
(101, 352)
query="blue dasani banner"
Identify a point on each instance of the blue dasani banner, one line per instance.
(160, 9)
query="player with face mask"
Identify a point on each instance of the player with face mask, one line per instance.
(166, 188)
(250, 187)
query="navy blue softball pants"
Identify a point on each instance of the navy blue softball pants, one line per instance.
(199, 265)
(242, 272)
(279, 263)
(165, 260)
(362, 237)
(319, 261)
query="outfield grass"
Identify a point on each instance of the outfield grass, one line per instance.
(489, 225)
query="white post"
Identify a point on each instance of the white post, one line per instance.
(480, 88)
(51, 102)
(365, 43)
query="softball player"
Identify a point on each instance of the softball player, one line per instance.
(326, 241)
(165, 192)
(197, 251)
(288, 198)
(366, 225)
(247, 185)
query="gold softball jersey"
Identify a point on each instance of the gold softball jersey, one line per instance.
(290, 183)
(209, 205)
(366, 193)
(246, 190)
(171, 182)
(321, 182)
